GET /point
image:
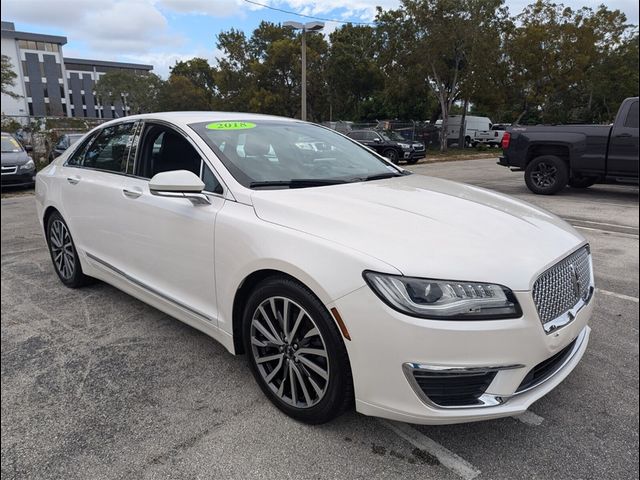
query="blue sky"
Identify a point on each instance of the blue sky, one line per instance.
(159, 32)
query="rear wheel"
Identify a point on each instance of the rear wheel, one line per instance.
(295, 351)
(582, 182)
(63, 253)
(546, 175)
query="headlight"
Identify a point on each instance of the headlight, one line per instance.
(404, 146)
(28, 166)
(443, 299)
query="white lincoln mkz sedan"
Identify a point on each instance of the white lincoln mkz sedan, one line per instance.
(343, 278)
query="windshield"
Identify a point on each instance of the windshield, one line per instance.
(10, 145)
(266, 152)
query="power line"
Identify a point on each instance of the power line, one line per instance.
(307, 16)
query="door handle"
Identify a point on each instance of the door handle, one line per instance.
(73, 180)
(131, 192)
(623, 135)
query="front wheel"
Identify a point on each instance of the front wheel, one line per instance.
(296, 352)
(392, 155)
(546, 175)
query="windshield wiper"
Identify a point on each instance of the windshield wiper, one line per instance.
(297, 183)
(381, 176)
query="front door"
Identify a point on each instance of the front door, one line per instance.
(169, 248)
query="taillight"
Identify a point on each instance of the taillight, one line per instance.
(506, 139)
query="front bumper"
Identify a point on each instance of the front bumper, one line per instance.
(411, 155)
(19, 178)
(384, 342)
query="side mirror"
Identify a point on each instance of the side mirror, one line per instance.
(376, 140)
(178, 184)
(28, 148)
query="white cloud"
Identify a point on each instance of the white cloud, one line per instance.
(161, 61)
(120, 27)
(215, 8)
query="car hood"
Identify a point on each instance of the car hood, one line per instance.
(14, 158)
(428, 227)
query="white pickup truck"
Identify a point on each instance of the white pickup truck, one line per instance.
(491, 137)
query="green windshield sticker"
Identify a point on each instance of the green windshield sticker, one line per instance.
(230, 125)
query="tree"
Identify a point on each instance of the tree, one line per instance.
(180, 93)
(199, 72)
(353, 75)
(561, 60)
(443, 40)
(262, 74)
(142, 89)
(8, 77)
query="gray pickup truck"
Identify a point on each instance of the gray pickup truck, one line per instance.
(555, 156)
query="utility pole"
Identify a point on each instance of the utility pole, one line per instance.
(305, 27)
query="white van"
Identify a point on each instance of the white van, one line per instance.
(473, 124)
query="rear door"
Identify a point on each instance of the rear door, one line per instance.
(622, 160)
(95, 175)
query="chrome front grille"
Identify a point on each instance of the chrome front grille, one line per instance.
(563, 286)
(9, 169)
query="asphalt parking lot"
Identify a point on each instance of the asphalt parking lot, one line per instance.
(96, 384)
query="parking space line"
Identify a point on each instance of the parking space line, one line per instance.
(530, 418)
(618, 295)
(446, 457)
(622, 234)
(617, 225)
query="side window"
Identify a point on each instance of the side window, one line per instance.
(355, 135)
(75, 160)
(163, 150)
(110, 149)
(632, 117)
(372, 136)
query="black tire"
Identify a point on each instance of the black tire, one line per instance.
(337, 393)
(546, 175)
(64, 255)
(582, 182)
(392, 155)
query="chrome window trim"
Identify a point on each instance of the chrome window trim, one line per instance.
(148, 288)
(226, 192)
(487, 399)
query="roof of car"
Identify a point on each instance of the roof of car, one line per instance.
(186, 118)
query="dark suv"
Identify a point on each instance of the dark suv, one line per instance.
(390, 145)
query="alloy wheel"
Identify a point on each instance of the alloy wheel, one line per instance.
(289, 352)
(544, 175)
(64, 257)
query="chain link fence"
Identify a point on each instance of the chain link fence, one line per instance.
(43, 133)
(424, 132)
